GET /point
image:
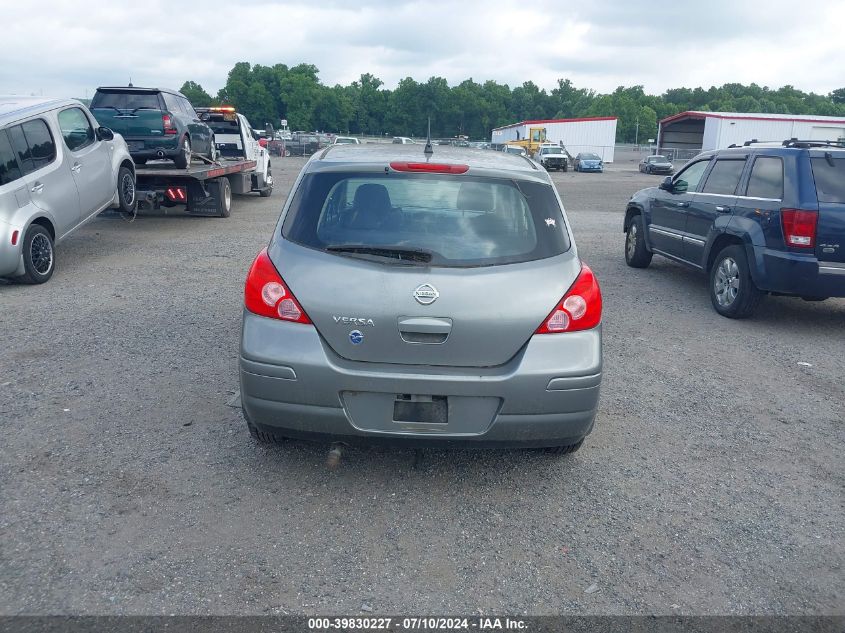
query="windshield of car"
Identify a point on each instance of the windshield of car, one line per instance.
(590, 157)
(126, 100)
(514, 150)
(550, 150)
(829, 175)
(657, 159)
(466, 221)
(341, 140)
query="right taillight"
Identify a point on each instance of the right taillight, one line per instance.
(266, 294)
(167, 124)
(799, 227)
(580, 308)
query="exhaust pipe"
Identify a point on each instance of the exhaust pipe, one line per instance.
(160, 153)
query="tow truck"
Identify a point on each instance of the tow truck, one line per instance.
(206, 187)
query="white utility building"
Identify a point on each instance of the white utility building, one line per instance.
(593, 134)
(695, 131)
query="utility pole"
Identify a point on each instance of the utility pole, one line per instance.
(637, 133)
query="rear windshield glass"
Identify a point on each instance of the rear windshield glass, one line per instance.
(459, 221)
(590, 157)
(126, 100)
(830, 179)
(224, 127)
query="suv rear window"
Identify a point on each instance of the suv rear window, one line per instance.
(830, 179)
(125, 100)
(466, 221)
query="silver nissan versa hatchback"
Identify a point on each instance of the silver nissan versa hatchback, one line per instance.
(436, 300)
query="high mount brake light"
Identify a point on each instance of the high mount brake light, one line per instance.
(580, 308)
(266, 294)
(432, 168)
(799, 227)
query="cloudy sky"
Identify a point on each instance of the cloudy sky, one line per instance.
(69, 48)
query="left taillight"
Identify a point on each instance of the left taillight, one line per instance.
(580, 308)
(266, 294)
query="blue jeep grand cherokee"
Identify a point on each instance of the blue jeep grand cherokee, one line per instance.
(761, 218)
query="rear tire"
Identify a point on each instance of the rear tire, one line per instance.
(183, 158)
(565, 167)
(732, 291)
(39, 255)
(126, 191)
(565, 450)
(263, 437)
(636, 253)
(224, 204)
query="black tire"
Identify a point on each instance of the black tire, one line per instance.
(565, 167)
(224, 206)
(39, 255)
(183, 158)
(139, 161)
(263, 437)
(565, 450)
(648, 170)
(126, 197)
(636, 253)
(732, 291)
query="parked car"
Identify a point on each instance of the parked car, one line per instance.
(156, 123)
(346, 140)
(656, 164)
(403, 140)
(588, 161)
(301, 144)
(514, 149)
(438, 302)
(763, 218)
(58, 170)
(552, 157)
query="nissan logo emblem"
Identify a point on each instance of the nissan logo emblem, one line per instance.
(426, 294)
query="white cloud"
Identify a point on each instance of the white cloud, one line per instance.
(64, 51)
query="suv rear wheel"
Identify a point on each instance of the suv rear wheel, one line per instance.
(636, 253)
(732, 291)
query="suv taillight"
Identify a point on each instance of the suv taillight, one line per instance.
(266, 294)
(580, 308)
(167, 123)
(799, 227)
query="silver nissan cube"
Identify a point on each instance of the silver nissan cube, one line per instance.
(431, 299)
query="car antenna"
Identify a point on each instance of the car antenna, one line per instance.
(130, 83)
(429, 150)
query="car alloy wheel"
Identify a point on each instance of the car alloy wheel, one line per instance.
(41, 254)
(186, 149)
(127, 188)
(726, 282)
(631, 241)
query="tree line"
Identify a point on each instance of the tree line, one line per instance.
(267, 94)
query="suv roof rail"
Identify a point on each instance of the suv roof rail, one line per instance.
(794, 142)
(753, 141)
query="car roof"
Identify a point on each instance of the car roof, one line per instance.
(378, 155)
(15, 107)
(138, 89)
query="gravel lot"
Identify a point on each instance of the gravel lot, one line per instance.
(712, 483)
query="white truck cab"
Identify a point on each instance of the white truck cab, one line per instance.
(235, 139)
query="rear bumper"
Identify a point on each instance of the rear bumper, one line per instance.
(795, 274)
(294, 385)
(148, 147)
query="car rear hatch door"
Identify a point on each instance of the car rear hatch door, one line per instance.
(829, 176)
(130, 112)
(425, 269)
(421, 315)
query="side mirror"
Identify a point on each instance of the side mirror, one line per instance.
(104, 134)
(667, 185)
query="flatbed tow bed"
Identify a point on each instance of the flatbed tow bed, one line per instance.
(204, 189)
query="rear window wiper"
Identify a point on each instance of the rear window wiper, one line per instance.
(401, 253)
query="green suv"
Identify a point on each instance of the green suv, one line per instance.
(156, 123)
